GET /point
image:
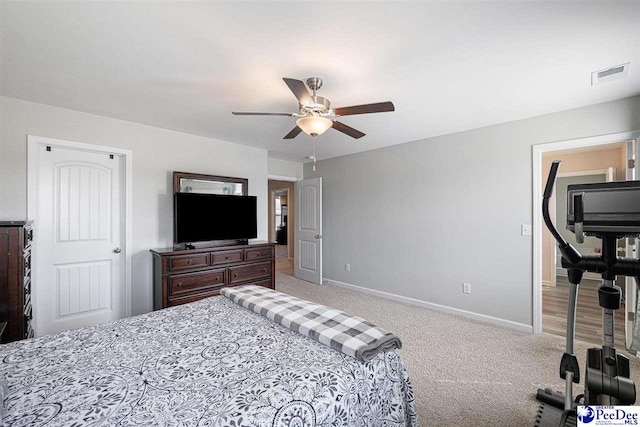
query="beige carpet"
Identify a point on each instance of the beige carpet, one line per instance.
(463, 372)
(282, 251)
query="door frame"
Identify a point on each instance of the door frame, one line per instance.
(33, 145)
(537, 152)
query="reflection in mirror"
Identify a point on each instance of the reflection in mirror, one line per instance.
(185, 182)
(189, 185)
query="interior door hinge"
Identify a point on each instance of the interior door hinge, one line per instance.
(111, 156)
(632, 316)
(48, 148)
(632, 163)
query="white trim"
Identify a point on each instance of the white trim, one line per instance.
(604, 172)
(537, 151)
(33, 142)
(283, 178)
(438, 307)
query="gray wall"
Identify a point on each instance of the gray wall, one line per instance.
(419, 219)
(156, 154)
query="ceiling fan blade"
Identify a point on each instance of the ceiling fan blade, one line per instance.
(347, 130)
(379, 107)
(243, 113)
(299, 90)
(294, 132)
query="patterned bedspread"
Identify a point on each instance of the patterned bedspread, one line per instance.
(209, 363)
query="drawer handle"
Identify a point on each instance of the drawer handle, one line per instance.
(258, 253)
(217, 278)
(180, 284)
(189, 261)
(264, 269)
(226, 257)
(235, 274)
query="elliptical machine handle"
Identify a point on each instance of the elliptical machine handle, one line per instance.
(568, 252)
(551, 181)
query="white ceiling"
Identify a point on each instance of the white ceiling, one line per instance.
(447, 66)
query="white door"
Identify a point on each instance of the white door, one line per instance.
(308, 230)
(631, 291)
(79, 277)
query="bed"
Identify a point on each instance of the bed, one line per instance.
(208, 363)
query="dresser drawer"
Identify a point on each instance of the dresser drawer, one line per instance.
(249, 272)
(183, 262)
(258, 254)
(192, 297)
(226, 257)
(196, 282)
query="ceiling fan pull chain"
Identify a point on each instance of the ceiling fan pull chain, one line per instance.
(314, 154)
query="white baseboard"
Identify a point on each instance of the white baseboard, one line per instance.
(446, 309)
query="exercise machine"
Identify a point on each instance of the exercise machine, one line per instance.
(609, 211)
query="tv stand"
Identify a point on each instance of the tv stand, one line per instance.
(210, 244)
(181, 276)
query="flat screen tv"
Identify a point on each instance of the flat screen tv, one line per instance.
(208, 217)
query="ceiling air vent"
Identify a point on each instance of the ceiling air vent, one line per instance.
(610, 74)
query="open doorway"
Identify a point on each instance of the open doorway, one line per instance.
(281, 223)
(583, 161)
(603, 163)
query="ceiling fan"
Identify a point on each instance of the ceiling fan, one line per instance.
(315, 115)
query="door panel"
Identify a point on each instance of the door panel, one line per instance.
(83, 205)
(79, 280)
(308, 255)
(83, 288)
(308, 230)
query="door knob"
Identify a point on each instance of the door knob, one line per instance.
(318, 236)
(117, 250)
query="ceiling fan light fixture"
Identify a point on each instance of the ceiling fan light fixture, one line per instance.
(314, 125)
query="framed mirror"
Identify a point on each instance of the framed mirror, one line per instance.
(185, 182)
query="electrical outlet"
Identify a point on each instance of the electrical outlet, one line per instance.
(526, 230)
(466, 288)
(347, 267)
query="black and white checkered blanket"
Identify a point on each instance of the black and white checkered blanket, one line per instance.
(348, 334)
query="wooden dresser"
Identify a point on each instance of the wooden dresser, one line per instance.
(183, 276)
(15, 279)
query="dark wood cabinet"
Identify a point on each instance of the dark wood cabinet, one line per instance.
(183, 276)
(15, 280)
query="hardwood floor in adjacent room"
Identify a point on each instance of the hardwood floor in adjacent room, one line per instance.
(588, 315)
